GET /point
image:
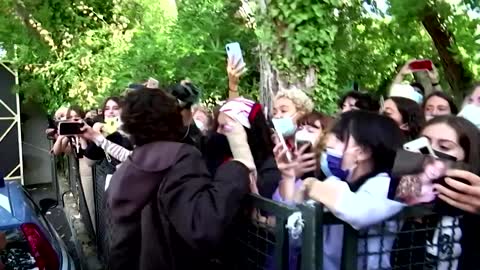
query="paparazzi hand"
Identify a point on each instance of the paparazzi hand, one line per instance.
(465, 197)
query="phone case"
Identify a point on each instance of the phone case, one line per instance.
(111, 126)
(69, 128)
(420, 145)
(421, 65)
(234, 51)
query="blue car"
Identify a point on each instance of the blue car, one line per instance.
(32, 242)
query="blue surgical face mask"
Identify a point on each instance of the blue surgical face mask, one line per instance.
(331, 164)
(285, 126)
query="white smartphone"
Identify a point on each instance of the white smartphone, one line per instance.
(234, 51)
(152, 83)
(301, 139)
(284, 144)
(382, 104)
(420, 145)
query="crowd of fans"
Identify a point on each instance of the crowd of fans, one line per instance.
(178, 172)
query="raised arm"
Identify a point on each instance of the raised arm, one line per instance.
(366, 207)
(199, 207)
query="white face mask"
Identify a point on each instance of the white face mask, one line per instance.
(471, 112)
(199, 124)
(305, 136)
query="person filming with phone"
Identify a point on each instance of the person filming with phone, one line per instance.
(107, 140)
(67, 131)
(354, 185)
(417, 65)
(455, 139)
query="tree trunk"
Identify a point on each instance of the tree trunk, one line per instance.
(456, 75)
(271, 80)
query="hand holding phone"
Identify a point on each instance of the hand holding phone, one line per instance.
(234, 53)
(283, 143)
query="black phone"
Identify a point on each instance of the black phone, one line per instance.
(70, 128)
(300, 145)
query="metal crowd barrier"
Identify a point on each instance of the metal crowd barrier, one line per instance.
(103, 220)
(75, 185)
(260, 240)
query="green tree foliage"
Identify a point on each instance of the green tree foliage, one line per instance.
(81, 52)
(354, 40)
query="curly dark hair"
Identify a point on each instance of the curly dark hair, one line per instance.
(151, 115)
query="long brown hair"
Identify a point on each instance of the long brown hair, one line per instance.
(468, 138)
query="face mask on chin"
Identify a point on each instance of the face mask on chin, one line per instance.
(286, 126)
(471, 112)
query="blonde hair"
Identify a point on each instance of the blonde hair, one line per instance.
(298, 97)
(205, 110)
(200, 108)
(61, 112)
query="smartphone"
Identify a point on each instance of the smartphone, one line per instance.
(234, 52)
(302, 139)
(420, 65)
(299, 145)
(282, 141)
(111, 125)
(382, 104)
(70, 128)
(152, 83)
(420, 145)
